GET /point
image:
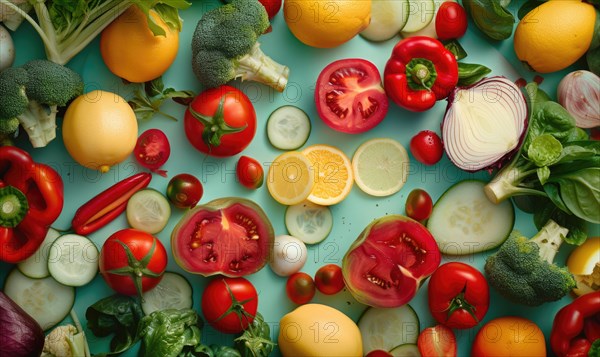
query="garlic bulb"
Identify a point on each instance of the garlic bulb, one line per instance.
(579, 93)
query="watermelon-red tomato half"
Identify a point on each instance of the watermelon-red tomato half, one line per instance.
(220, 121)
(230, 236)
(229, 305)
(349, 96)
(386, 264)
(132, 261)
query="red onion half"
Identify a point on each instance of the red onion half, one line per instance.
(484, 124)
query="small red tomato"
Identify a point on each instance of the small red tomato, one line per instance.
(249, 172)
(329, 279)
(184, 191)
(437, 341)
(272, 7)
(378, 353)
(427, 147)
(152, 150)
(229, 304)
(418, 205)
(451, 21)
(300, 288)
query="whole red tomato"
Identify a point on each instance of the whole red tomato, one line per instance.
(459, 295)
(300, 288)
(220, 121)
(427, 147)
(132, 261)
(329, 279)
(229, 304)
(451, 21)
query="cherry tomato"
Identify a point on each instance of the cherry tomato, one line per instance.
(459, 295)
(378, 353)
(184, 191)
(329, 279)
(249, 172)
(418, 205)
(349, 96)
(451, 21)
(229, 304)
(437, 341)
(300, 288)
(427, 147)
(152, 150)
(272, 7)
(223, 132)
(117, 267)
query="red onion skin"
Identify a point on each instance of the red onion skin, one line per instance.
(509, 155)
(20, 334)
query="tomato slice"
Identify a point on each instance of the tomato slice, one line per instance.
(152, 150)
(349, 96)
(437, 341)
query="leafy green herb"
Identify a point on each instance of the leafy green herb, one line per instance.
(456, 48)
(150, 96)
(544, 150)
(528, 6)
(491, 17)
(469, 73)
(118, 315)
(166, 333)
(256, 339)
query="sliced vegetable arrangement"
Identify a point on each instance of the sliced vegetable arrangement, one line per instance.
(262, 172)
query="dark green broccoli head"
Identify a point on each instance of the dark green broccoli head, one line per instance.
(212, 68)
(51, 83)
(13, 101)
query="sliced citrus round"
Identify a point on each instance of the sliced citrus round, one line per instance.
(290, 179)
(332, 172)
(380, 166)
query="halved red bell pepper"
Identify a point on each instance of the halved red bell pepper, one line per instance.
(31, 199)
(420, 72)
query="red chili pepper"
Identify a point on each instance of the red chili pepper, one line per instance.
(31, 199)
(570, 321)
(420, 72)
(108, 204)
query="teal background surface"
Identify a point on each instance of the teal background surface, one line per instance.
(218, 175)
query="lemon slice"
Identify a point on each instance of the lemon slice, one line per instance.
(380, 167)
(290, 179)
(333, 178)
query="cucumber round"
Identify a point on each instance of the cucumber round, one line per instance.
(309, 222)
(388, 328)
(288, 128)
(464, 221)
(73, 260)
(406, 350)
(36, 266)
(46, 300)
(173, 292)
(388, 18)
(148, 210)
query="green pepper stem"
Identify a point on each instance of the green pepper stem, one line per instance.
(421, 74)
(13, 206)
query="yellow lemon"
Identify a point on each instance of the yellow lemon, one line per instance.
(326, 23)
(99, 130)
(582, 261)
(554, 35)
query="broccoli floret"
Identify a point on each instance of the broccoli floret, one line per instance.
(522, 270)
(32, 94)
(225, 47)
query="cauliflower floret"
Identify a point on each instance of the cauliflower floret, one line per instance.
(57, 342)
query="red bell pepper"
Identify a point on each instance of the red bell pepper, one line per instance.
(31, 199)
(420, 72)
(570, 323)
(108, 204)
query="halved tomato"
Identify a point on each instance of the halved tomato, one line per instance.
(385, 265)
(350, 97)
(230, 236)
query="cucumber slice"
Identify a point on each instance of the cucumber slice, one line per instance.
(428, 30)
(464, 221)
(148, 210)
(309, 222)
(288, 128)
(421, 14)
(173, 292)
(36, 266)
(73, 260)
(46, 300)
(388, 328)
(406, 350)
(388, 17)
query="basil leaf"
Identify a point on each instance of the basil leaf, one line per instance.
(528, 6)
(469, 73)
(544, 150)
(580, 191)
(491, 18)
(456, 49)
(543, 174)
(165, 333)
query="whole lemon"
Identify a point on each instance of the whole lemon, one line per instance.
(326, 23)
(555, 34)
(99, 130)
(313, 330)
